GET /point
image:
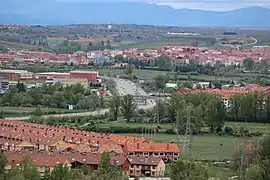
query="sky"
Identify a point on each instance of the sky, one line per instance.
(215, 5)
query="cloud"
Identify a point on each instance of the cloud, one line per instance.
(216, 5)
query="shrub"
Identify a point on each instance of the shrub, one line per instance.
(228, 130)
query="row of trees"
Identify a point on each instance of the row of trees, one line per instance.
(53, 96)
(205, 109)
(124, 104)
(208, 110)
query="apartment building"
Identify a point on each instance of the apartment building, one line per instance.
(146, 166)
(168, 152)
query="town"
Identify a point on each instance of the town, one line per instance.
(127, 101)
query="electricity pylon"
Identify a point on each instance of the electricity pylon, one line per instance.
(188, 135)
(187, 139)
(244, 154)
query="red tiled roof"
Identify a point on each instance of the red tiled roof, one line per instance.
(142, 160)
(150, 147)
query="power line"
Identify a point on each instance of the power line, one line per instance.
(244, 153)
(188, 135)
(187, 140)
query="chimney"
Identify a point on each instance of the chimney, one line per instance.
(138, 145)
(80, 139)
(53, 135)
(64, 138)
(37, 132)
(168, 146)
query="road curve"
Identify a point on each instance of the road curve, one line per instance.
(123, 86)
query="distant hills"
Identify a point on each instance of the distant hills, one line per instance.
(53, 12)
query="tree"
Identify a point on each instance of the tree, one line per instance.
(217, 84)
(215, 113)
(159, 111)
(254, 172)
(235, 101)
(104, 164)
(187, 170)
(115, 103)
(26, 171)
(164, 63)
(3, 161)
(119, 58)
(21, 87)
(60, 172)
(160, 81)
(108, 45)
(248, 63)
(37, 112)
(129, 69)
(128, 107)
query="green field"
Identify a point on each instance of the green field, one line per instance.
(173, 40)
(27, 111)
(204, 147)
(152, 73)
(210, 147)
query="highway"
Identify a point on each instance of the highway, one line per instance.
(123, 86)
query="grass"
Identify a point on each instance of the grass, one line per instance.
(204, 147)
(208, 147)
(168, 41)
(26, 111)
(253, 127)
(153, 73)
(221, 172)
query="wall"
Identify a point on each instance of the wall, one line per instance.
(92, 77)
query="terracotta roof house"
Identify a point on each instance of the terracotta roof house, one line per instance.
(146, 166)
(168, 152)
(43, 161)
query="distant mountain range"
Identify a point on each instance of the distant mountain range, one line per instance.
(52, 12)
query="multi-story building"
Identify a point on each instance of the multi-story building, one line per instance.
(4, 85)
(168, 152)
(15, 75)
(146, 166)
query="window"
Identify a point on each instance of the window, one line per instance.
(161, 154)
(137, 166)
(131, 172)
(175, 154)
(156, 154)
(153, 173)
(131, 166)
(154, 167)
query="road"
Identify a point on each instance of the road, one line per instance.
(123, 86)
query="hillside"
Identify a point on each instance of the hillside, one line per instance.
(59, 12)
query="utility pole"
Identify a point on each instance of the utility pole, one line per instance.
(244, 155)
